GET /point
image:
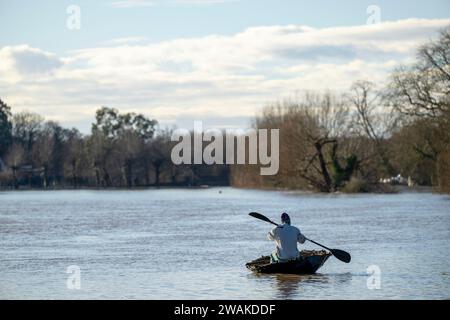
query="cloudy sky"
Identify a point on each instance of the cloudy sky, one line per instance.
(213, 60)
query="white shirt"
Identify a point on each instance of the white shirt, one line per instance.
(286, 238)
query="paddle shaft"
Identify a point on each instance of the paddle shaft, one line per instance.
(275, 224)
(320, 245)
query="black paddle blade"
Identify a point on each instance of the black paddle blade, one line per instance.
(259, 216)
(341, 255)
(263, 218)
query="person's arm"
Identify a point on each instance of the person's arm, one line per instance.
(300, 237)
(271, 234)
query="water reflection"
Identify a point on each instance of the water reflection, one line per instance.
(288, 286)
(342, 278)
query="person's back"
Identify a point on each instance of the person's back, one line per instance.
(286, 238)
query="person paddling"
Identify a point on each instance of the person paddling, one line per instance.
(286, 238)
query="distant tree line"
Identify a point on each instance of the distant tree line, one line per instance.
(123, 150)
(328, 142)
(348, 142)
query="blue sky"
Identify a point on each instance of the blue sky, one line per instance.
(217, 60)
(41, 23)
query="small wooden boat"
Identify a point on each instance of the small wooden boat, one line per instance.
(308, 262)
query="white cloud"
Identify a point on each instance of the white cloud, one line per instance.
(125, 40)
(23, 61)
(206, 77)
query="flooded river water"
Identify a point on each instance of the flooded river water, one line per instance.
(193, 244)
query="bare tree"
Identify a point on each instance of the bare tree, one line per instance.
(76, 161)
(100, 149)
(159, 153)
(26, 126)
(5, 127)
(312, 132)
(325, 120)
(14, 159)
(374, 119)
(128, 146)
(422, 92)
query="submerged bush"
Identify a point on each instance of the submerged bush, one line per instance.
(356, 185)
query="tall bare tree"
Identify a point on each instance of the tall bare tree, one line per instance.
(26, 126)
(374, 119)
(5, 128)
(14, 159)
(422, 92)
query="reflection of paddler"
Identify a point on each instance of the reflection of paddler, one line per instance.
(287, 285)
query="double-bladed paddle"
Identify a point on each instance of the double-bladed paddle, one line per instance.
(339, 254)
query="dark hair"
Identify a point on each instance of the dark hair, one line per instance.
(285, 218)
